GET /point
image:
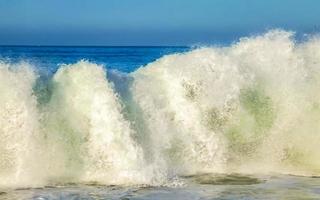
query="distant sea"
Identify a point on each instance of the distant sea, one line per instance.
(122, 58)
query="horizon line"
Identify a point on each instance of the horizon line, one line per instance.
(97, 46)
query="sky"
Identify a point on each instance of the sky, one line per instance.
(149, 22)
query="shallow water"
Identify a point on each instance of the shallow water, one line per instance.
(206, 186)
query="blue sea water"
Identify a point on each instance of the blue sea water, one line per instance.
(48, 59)
(121, 58)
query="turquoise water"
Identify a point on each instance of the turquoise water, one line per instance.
(234, 122)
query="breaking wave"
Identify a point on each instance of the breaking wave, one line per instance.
(251, 107)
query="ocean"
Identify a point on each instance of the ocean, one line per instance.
(232, 121)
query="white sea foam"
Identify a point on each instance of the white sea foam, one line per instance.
(18, 125)
(251, 107)
(93, 140)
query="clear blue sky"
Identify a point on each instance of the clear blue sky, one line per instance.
(149, 22)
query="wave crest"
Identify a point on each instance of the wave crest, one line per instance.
(250, 107)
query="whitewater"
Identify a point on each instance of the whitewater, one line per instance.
(251, 107)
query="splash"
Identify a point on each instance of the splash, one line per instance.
(88, 136)
(251, 107)
(18, 124)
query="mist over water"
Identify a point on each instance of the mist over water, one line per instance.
(251, 107)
